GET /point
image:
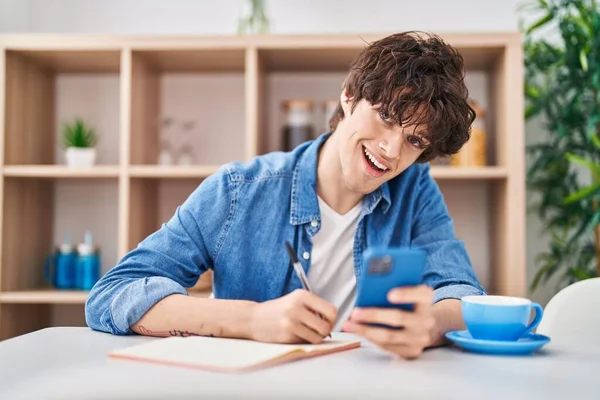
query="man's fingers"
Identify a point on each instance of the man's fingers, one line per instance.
(382, 336)
(404, 351)
(421, 295)
(319, 305)
(386, 316)
(307, 334)
(314, 322)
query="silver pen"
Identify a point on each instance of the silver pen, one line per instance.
(301, 275)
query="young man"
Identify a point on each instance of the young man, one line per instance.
(364, 183)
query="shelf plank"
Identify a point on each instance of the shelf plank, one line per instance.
(60, 171)
(306, 52)
(69, 61)
(52, 296)
(112, 43)
(159, 171)
(332, 59)
(44, 296)
(468, 173)
(231, 60)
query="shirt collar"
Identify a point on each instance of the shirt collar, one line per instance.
(304, 202)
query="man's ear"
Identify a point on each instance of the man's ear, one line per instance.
(346, 102)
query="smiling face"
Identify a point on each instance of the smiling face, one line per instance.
(404, 101)
(372, 147)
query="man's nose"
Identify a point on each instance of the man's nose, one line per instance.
(391, 145)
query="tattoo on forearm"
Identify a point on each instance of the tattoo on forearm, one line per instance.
(174, 332)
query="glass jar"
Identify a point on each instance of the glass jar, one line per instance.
(298, 127)
(473, 153)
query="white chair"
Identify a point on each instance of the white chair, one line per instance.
(573, 314)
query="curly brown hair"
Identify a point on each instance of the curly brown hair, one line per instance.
(418, 79)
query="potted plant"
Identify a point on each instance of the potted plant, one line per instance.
(253, 18)
(79, 140)
(562, 86)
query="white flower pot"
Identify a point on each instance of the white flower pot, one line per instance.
(80, 156)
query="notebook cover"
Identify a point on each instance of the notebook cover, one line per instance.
(295, 353)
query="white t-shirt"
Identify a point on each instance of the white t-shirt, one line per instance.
(331, 274)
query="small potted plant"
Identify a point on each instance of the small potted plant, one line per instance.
(79, 141)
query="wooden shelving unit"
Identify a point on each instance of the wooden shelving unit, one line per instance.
(59, 171)
(468, 173)
(201, 171)
(232, 87)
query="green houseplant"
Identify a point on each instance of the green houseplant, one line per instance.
(562, 86)
(79, 140)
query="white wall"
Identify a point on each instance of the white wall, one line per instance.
(287, 16)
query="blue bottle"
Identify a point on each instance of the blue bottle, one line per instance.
(59, 267)
(87, 271)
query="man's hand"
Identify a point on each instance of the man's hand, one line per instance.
(418, 326)
(293, 319)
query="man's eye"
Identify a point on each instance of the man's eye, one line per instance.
(384, 115)
(415, 141)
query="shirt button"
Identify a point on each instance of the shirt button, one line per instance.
(314, 224)
(306, 255)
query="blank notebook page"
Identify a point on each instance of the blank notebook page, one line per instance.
(223, 353)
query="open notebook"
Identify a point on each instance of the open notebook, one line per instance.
(229, 355)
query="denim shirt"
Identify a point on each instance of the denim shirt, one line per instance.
(236, 223)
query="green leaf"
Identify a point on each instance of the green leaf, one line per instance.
(593, 167)
(539, 23)
(595, 220)
(530, 111)
(595, 140)
(77, 134)
(582, 193)
(540, 274)
(532, 91)
(583, 60)
(583, 25)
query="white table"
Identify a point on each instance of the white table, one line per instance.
(71, 363)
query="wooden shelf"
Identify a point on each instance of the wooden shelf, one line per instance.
(60, 171)
(469, 173)
(184, 53)
(200, 171)
(51, 296)
(194, 60)
(44, 296)
(69, 61)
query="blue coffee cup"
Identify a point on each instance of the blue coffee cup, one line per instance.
(499, 317)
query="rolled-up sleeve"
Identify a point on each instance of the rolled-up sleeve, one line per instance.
(449, 270)
(164, 263)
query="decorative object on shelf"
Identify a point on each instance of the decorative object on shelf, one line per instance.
(562, 87)
(253, 18)
(59, 267)
(80, 140)
(329, 107)
(165, 155)
(186, 155)
(473, 153)
(298, 127)
(87, 271)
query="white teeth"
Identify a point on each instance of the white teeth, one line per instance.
(374, 161)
